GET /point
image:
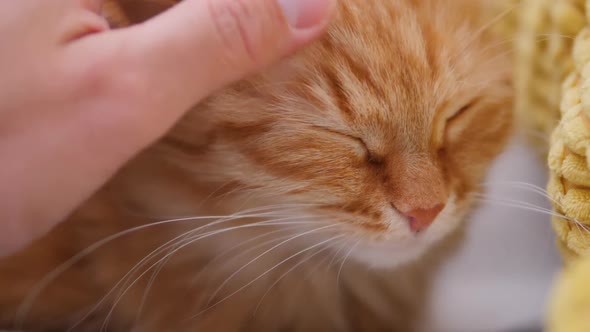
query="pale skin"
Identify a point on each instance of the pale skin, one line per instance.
(77, 100)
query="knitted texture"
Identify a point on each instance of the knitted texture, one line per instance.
(569, 184)
(543, 46)
(569, 161)
(552, 82)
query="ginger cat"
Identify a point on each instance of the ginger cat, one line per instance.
(317, 195)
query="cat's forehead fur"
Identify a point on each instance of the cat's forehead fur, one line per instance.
(387, 73)
(384, 71)
(388, 76)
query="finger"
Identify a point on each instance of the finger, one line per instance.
(134, 83)
(143, 78)
(80, 22)
(175, 59)
(81, 18)
(92, 5)
(201, 45)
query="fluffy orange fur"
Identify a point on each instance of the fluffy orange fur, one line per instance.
(284, 197)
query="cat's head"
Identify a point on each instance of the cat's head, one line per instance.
(384, 127)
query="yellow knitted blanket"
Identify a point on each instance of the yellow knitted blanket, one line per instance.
(552, 79)
(544, 32)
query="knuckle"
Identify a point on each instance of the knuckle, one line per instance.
(244, 27)
(109, 76)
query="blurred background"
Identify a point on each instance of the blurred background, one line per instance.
(502, 277)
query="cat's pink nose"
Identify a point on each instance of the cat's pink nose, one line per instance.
(421, 219)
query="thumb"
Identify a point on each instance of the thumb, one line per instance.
(200, 45)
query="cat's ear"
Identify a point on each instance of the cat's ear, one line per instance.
(122, 13)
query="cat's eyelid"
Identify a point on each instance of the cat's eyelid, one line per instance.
(459, 111)
(351, 136)
(334, 131)
(370, 155)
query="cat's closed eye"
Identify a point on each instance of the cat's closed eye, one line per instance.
(360, 144)
(455, 122)
(461, 111)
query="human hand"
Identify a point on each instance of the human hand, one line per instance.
(78, 100)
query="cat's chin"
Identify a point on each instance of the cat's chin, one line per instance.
(387, 256)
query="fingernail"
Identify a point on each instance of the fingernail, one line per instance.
(304, 14)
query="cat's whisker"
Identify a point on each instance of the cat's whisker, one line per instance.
(545, 37)
(579, 228)
(502, 15)
(538, 38)
(252, 249)
(70, 262)
(227, 280)
(244, 243)
(281, 277)
(216, 258)
(300, 282)
(123, 281)
(296, 220)
(242, 253)
(209, 307)
(537, 134)
(251, 194)
(178, 241)
(324, 262)
(165, 220)
(527, 186)
(513, 201)
(482, 30)
(191, 236)
(60, 269)
(147, 290)
(229, 193)
(496, 57)
(126, 287)
(212, 194)
(335, 257)
(531, 207)
(344, 261)
(517, 184)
